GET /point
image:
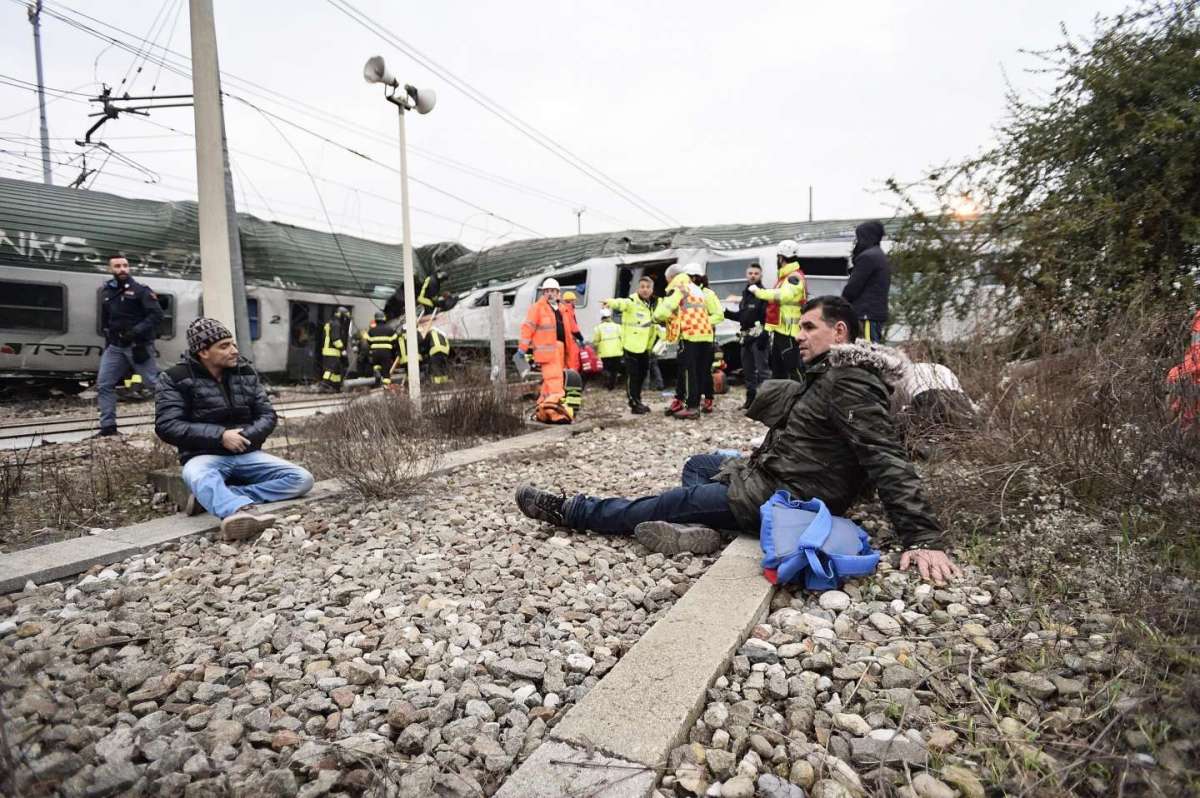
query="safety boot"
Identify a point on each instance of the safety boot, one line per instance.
(671, 539)
(543, 505)
(706, 406)
(673, 408)
(688, 413)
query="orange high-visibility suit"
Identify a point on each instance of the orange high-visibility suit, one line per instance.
(539, 333)
(571, 326)
(1184, 380)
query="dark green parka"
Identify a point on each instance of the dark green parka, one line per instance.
(832, 436)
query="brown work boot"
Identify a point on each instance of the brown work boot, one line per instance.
(246, 523)
(671, 539)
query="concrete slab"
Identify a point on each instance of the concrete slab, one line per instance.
(644, 706)
(69, 557)
(558, 769)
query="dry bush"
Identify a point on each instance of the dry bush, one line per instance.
(63, 491)
(1090, 418)
(378, 445)
(474, 409)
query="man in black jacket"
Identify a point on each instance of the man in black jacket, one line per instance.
(214, 410)
(831, 437)
(751, 315)
(870, 280)
(129, 317)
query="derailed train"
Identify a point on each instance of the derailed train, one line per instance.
(54, 245)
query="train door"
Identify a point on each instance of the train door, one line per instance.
(306, 325)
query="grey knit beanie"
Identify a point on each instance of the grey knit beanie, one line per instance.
(204, 332)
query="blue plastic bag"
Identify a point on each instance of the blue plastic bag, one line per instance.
(803, 542)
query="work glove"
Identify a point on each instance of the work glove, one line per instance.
(578, 339)
(140, 353)
(338, 345)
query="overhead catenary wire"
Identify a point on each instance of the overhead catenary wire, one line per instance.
(477, 96)
(182, 69)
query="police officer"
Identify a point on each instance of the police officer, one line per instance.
(383, 342)
(335, 353)
(755, 341)
(129, 316)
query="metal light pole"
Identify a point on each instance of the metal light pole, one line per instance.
(35, 19)
(406, 99)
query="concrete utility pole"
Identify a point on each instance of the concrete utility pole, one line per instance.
(35, 19)
(221, 275)
(496, 335)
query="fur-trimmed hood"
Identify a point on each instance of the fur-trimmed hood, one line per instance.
(892, 364)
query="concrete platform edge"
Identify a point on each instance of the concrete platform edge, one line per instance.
(645, 705)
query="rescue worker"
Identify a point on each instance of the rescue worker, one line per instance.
(335, 354)
(544, 331)
(638, 334)
(129, 318)
(607, 340)
(430, 296)
(383, 348)
(686, 310)
(751, 317)
(784, 303)
(870, 280)
(433, 349)
(572, 324)
(1184, 381)
(716, 358)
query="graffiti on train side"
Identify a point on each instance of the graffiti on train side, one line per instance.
(37, 249)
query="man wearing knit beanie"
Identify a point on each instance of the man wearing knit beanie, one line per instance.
(214, 410)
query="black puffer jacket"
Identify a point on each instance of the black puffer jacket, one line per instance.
(871, 279)
(832, 436)
(192, 410)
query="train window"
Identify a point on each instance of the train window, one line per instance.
(33, 306)
(166, 327)
(577, 282)
(727, 277)
(252, 315)
(507, 298)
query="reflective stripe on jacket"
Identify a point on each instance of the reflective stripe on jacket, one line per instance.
(539, 332)
(638, 331)
(685, 309)
(785, 302)
(607, 339)
(335, 333)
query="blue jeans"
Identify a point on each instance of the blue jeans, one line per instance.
(116, 362)
(699, 501)
(225, 483)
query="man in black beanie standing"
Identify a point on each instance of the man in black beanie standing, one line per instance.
(214, 410)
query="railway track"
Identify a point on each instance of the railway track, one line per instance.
(21, 434)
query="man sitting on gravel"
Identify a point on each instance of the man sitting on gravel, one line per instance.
(215, 411)
(831, 436)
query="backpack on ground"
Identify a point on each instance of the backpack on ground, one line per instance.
(552, 410)
(804, 543)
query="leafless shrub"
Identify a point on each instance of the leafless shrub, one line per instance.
(474, 409)
(377, 445)
(1092, 418)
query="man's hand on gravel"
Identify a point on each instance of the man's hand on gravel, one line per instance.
(931, 564)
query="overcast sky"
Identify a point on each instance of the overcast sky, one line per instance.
(710, 112)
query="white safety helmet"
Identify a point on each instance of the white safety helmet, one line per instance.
(606, 313)
(694, 270)
(549, 282)
(787, 248)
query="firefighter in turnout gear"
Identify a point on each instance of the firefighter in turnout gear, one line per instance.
(784, 309)
(430, 296)
(686, 310)
(334, 350)
(607, 340)
(383, 348)
(433, 349)
(638, 334)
